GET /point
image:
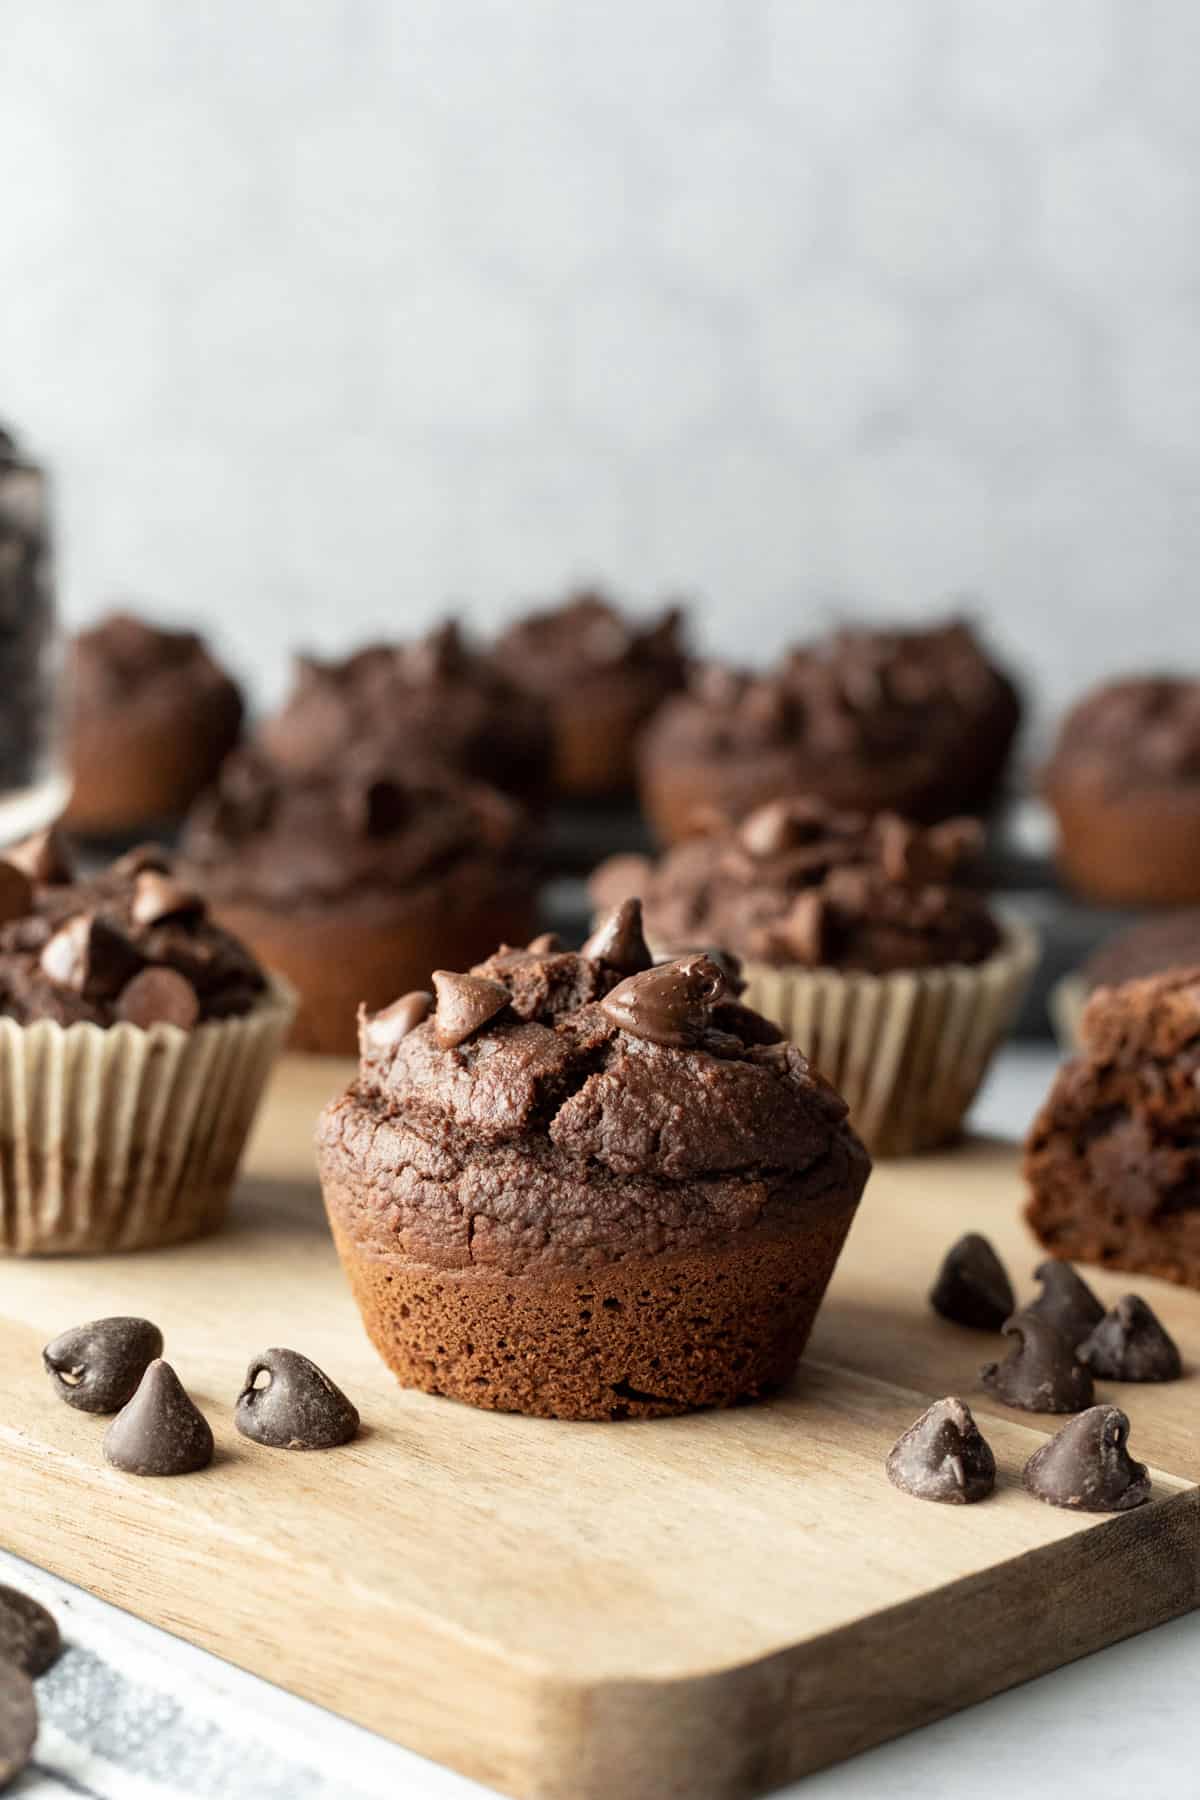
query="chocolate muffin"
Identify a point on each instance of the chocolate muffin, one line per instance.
(862, 939)
(1124, 785)
(577, 1191)
(151, 716)
(917, 722)
(1166, 941)
(356, 879)
(1113, 1158)
(602, 674)
(435, 699)
(135, 1040)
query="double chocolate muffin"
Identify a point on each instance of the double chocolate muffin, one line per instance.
(151, 716)
(357, 879)
(587, 1188)
(433, 700)
(602, 674)
(1124, 785)
(917, 722)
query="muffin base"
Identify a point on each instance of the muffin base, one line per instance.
(148, 765)
(643, 1338)
(1125, 845)
(343, 957)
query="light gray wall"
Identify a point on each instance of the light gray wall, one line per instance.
(331, 311)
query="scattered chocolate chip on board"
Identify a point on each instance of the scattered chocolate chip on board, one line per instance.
(972, 1286)
(943, 1456)
(28, 1634)
(160, 1431)
(1040, 1372)
(297, 1407)
(97, 1367)
(1087, 1467)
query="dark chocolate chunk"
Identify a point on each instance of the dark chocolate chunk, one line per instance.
(97, 1367)
(379, 1031)
(669, 1004)
(16, 892)
(159, 996)
(18, 1721)
(296, 1408)
(1088, 1466)
(1040, 1373)
(28, 1634)
(943, 1457)
(1066, 1301)
(44, 858)
(618, 940)
(160, 1431)
(1129, 1344)
(464, 1004)
(90, 956)
(157, 896)
(972, 1287)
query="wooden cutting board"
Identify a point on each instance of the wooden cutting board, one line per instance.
(703, 1607)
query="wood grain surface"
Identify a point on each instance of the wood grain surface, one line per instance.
(702, 1607)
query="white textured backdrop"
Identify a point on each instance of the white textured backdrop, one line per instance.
(332, 311)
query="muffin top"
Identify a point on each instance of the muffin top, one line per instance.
(1144, 730)
(125, 661)
(1157, 1018)
(133, 943)
(588, 638)
(435, 698)
(347, 834)
(553, 1109)
(798, 883)
(1169, 941)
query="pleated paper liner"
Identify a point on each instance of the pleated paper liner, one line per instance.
(1066, 1002)
(124, 1138)
(906, 1051)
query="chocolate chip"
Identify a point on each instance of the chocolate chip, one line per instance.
(1040, 1373)
(618, 940)
(768, 830)
(547, 944)
(669, 1004)
(1066, 1301)
(141, 858)
(944, 1456)
(16, 892)
(464, 1004)
(97, 1367)
(91, 958)
(1087, 1466)
(159, 997)
(804, 929)
(1129, 1344)
(18, 1721)
(972, 1286)
(729, 964)
(157, 897)
(160, 1431)
(28, 1635)
(379, 1031)
(44, 858)
(298, 1407)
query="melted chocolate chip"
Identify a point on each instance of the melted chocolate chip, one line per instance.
(44, 858)
(157, 897)
(159, 996)
(1066, 1301)
(669, 1004)
(1040, 1373)
(16, 892)
(97, 1367)
(90, 957)
(379, 1031)
(1087, 1466)
(28, 1635)
(618, 940)
(297, 1408)
(465, 1003)
(972, 1286)
(943, 1457)
(1129, 1344)
(160, 1431)
(18, 1721)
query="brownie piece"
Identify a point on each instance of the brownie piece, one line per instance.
(1113, 1158)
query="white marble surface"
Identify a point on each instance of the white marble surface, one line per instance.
(130, 1713)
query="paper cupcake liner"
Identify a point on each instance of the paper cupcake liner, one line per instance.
(906, 1051)
(1065, 1003)
(123, 1138)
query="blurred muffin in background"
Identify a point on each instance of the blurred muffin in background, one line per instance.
(151, 715)
(1151, 947)
(919, 722)
(356, 880)
(603, 674)
(1124, 785)
(433, 699)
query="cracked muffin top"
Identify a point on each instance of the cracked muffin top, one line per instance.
(588, 639)
(1143, 731)
(125, 661)
(561, 1110)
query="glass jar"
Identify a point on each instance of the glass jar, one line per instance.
(33, 783)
